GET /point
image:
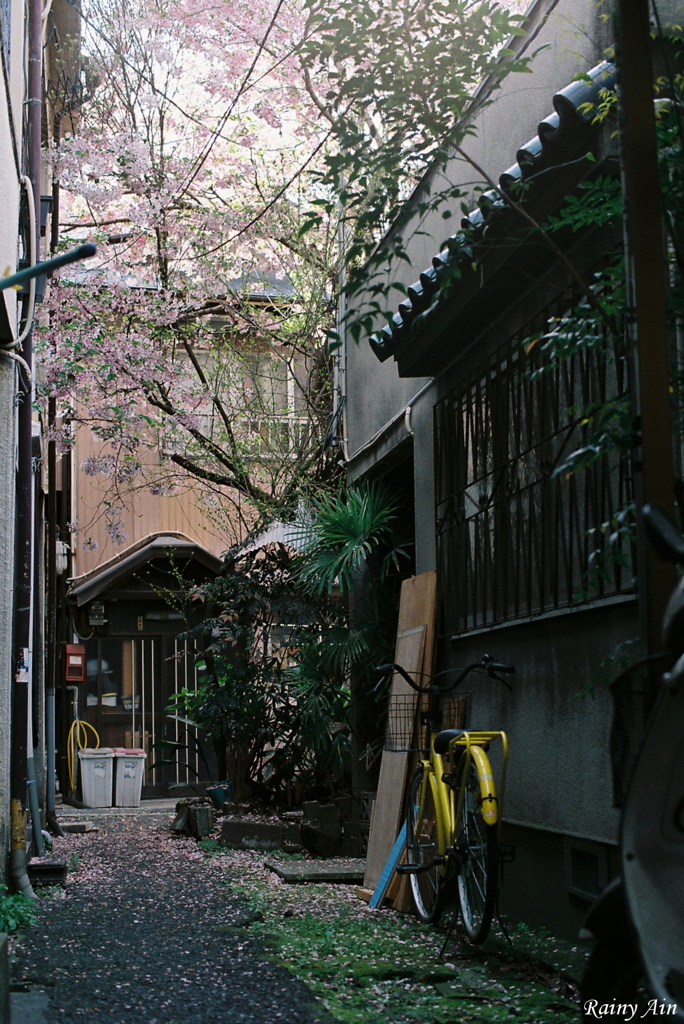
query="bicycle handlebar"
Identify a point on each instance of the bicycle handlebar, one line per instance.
(488, 664)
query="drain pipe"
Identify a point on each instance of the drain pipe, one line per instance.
(24, 521)
(34, 804)
(31, 780)
(19, 781)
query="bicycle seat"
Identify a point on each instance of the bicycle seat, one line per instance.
(444, 738)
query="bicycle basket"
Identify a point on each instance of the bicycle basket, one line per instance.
(456, 710)
(407, 719)
(402, 722)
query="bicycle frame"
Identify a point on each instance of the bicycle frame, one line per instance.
(448, 800)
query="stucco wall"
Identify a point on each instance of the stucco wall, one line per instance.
(9, 204)
(535, 887)
(557, 715)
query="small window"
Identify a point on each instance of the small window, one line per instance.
(586, 867)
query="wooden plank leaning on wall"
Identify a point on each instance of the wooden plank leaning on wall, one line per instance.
(414, 651)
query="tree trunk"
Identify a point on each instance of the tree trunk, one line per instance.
(363, 711)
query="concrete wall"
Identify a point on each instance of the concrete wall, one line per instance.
(535, 888)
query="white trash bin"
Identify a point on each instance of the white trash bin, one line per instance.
(129, 768)
(97, 773)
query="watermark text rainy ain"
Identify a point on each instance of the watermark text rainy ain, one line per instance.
(628, 1011)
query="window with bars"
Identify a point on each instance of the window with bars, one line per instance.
(515, 538)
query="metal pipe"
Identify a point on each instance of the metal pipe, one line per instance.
(50, 809)
(81, 252)
(35, 764)
(51, 661)
(34, 806)
(53, 532)
(18, 873)
(64, 715)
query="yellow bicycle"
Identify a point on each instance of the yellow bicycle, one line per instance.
(453, 810)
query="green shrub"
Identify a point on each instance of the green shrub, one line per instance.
(16, 911)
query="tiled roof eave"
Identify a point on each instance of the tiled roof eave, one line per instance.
(560, 138)
(161, 545)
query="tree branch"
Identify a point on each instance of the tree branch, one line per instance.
(255, 493)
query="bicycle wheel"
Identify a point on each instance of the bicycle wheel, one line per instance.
(421, 849)
(477, 845)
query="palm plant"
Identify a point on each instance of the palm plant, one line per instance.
(350, 545)
(347, 532)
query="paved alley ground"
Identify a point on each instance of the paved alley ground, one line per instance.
(158, 929)
(149, 932)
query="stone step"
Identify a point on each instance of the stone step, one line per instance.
(31, 1007)
(342, 870)
(47, 871)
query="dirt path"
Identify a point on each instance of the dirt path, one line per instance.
(148, 932)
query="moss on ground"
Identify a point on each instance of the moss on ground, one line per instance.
(367, 966)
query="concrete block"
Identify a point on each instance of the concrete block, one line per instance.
(239, 834)
(78, 826)
(233, 809)
(346, 871)
(47, 871)
(31, 1007)
(180, 822)
(346, 807)
(194, 816)
(200, 820)
(321, 840)
(292, 833)
(324, 814)
(352, 846)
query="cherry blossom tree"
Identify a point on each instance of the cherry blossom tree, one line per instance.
(231, 160)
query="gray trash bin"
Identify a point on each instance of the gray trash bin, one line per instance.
(129, 769)
(97, 772)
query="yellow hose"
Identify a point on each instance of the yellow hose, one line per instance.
(77, 740)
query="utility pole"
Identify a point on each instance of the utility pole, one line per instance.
(645, 251)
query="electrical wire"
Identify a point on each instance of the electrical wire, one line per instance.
(11, 354)
(33, 256)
